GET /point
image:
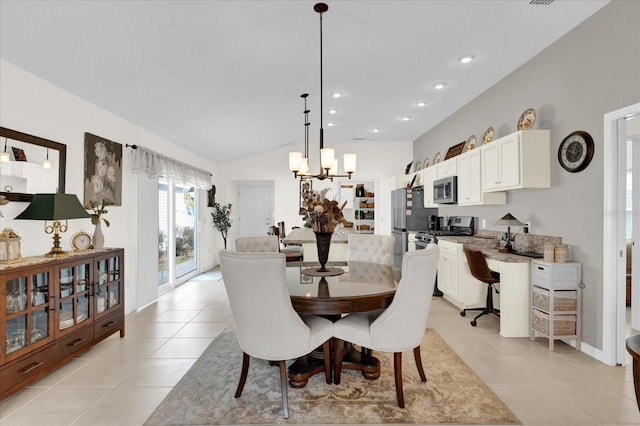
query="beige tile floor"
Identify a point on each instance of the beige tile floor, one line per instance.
(121, 381)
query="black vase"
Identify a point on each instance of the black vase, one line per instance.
(323, 241)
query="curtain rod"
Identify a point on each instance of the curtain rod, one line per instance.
(131, 146)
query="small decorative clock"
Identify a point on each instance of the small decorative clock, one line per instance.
(576, 151)
(81, 240)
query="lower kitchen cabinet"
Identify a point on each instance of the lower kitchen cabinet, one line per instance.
(455, 279)
(52, 309)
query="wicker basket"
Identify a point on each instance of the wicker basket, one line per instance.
(563, 300)
(563, 325)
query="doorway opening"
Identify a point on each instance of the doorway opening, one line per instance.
(614, 328)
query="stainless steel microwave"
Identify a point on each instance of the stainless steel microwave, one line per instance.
(445, 190)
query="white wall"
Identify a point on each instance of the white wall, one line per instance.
(587, 73)
(31, 105)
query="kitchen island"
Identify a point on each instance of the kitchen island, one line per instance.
(307, 238)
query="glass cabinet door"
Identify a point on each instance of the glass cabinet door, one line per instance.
(108, 282)
(27, 324)
(74, 294)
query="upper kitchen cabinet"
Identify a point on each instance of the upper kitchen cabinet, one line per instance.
(469, 182)
(428, 175)
(447, 168)
(520, 160)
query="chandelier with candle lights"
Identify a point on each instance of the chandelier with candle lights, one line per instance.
(298, 161)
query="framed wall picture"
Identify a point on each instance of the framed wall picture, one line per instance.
(102, 170)
(19, 154)
(455, 150)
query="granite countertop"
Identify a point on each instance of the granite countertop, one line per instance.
(306, 235)
(488, 246)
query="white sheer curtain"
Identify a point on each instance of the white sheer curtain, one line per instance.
(155, 165)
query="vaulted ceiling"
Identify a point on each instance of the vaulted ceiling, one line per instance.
(224, 78)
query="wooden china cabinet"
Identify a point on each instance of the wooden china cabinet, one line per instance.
(52, 309)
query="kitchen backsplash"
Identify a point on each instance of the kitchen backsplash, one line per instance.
(523, 242)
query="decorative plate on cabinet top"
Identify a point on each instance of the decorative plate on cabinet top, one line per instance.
(436, 158)
(471, 143)
(488, 136)
(526, 120)
(416, 165)
(426, 163)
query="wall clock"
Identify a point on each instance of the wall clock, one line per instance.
(576, 151)
(81, 241)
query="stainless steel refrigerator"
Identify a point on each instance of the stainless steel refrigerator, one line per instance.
(407, 214)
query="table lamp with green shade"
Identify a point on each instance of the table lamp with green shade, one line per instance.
(54, 207)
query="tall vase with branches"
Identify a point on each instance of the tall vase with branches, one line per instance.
(222, 220)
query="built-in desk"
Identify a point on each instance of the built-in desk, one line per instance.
(467, 292)
(307, 238)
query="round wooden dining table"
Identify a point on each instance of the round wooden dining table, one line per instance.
(362, 287)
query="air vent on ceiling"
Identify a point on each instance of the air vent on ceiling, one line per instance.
(541, 2)
(358, 139)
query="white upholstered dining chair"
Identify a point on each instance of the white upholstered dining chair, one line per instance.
(258, 244)
(371, 248)
(401, 326)
(267, 326)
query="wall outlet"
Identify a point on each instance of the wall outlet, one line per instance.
(528, 225)
(483, 223)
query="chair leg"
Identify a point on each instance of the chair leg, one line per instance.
(489, 309)
(337, 367)
(417, 356)
(243, 374)
(283, 388)
(326, 349)
(397, 368)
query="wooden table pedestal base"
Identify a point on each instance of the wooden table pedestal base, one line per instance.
(309, 365)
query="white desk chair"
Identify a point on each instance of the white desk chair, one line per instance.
(266, 324)
(371, 248)
(401, 326)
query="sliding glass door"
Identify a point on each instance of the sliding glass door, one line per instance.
(185, 229)
(177, 242)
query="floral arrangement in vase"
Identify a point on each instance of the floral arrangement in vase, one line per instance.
(320, 213)
(98, 210)
(96, 216)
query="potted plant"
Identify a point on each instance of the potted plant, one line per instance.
(222, 220)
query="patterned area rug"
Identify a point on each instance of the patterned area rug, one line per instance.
(453, 394)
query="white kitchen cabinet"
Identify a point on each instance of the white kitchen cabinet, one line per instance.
(427, 176)
(470, 182)
(403, 181)
(447, 168)
(556, 296)
(520, 160)
(448, 270)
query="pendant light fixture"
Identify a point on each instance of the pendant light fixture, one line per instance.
(46, 164)
(299, 162)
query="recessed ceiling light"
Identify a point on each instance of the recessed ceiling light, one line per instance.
(375, 130)
(440, 86)
(421, 104)
(466, 59)
(336, 94)
(405, 118)
(333, 111)
(331, 124)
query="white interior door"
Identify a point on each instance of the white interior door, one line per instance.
(255, 208)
